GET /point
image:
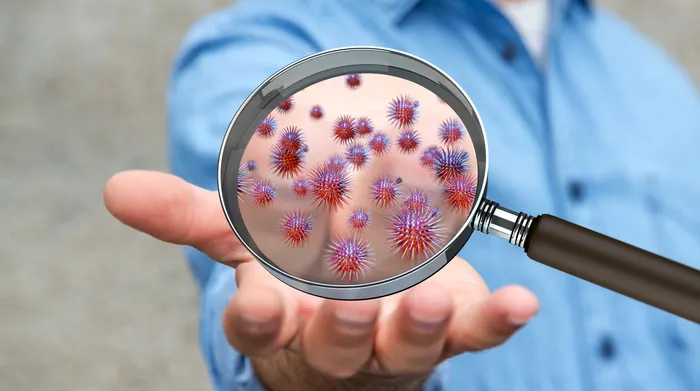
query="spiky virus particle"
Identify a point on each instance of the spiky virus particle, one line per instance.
(344, 129)
(291, 138)
(316, 112)
(286, 106)
(353, 81)
(385, 190)
(408, 141)
(329, 187)
(414, 234)
(416, 200)
(403, 111)
(364, 126)
(336, 162)
(427, 157)
(243, 181)
(349, 257)
(266, 128)
(357, 155)
(251, 165)
(263, 193)
(300, 187)
(379, 143)
(359, 219)
(450, 163)
(459, 193)
(296, 228)
(451, 131)
(286, 162)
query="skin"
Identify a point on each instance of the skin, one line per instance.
(297, 341)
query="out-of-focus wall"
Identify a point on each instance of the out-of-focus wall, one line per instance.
(86, 304)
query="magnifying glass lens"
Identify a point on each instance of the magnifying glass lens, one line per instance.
(356, 179)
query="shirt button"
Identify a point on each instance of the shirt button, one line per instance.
(576, 190)
(509, 52)
(607, 348)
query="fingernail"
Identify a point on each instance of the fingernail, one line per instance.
(518, 320)
(425, 322)
(354, 320)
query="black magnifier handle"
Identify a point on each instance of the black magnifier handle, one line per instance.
(600, 259)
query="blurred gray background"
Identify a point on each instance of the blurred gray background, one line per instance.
(86, 304)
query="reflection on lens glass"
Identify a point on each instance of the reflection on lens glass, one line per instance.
(356, 179)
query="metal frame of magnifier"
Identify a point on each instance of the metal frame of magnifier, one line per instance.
(575, 250)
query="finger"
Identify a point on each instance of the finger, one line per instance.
(170, 209)
(338, 339)
(413, 338)
(490, 322)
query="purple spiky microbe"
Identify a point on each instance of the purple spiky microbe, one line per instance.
(451, 131)
(344, 129)
(243, 181)
(336, 162)
(359, 219)
(316, 112)
(403, 111)
(349, 257)
(251, 165)
(450, 163)
(416, 200)
(286, 106)
(353, 81)
(263, 193)
(364, 126)
(286, 162)
(266, 128)
(427, 157)
(459, 193)
(291, 138)
(415, 233)
(408, 141)
(357, 155)
(385, 190)
(379, 143)
(296, 228)
(329, 187)
(300, 187)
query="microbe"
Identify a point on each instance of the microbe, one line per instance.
(263, 193)
(329, 187)
(336, 162)
(403, 111)
(364, 126)
(408, 141)
(266, 128)
(286, 162)
(344, 129)
(359, 219)
(296, 228)
(459, 193)
(357, 156)
(349, 257)
(292, 138)
(385, 190)
(416, 200)
(415, 233)
(427, 158)
(300, 187)
(450, 163)
(451, 131)
(286, 106)
(243, 181)
(379, 143)
(353, 81)
(316, 112)
(251, 165)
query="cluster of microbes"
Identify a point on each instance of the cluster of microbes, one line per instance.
(414, 229)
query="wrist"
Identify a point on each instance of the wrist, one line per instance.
(287, 370)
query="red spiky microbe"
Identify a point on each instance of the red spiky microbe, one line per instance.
(286, 162)
(344, 129)
(450, 163)
(263, 193)
(316, 112)
(300, 187)
(286, 106)
(403, 111)
(330, 187)
(427, 158)
(379, 143)
(459, 193)
(416, 200)
(357, 156)
(353, 81)
(385, 190)
(266, 128)
(451, 131)
(359, 219)
(349, 257)
(364, 126)
(415, 233)
(291, 138)
(408, 141)
(296, 228)
(336, 162)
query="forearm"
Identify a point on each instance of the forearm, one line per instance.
(287, 370)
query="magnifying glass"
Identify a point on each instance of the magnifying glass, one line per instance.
(359, 172)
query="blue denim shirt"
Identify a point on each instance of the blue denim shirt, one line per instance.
(605, 134)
